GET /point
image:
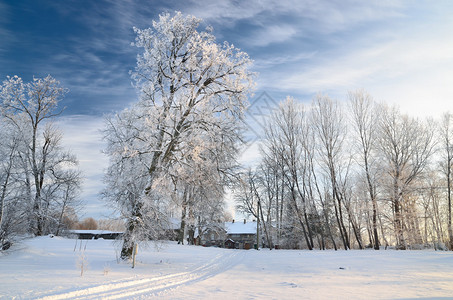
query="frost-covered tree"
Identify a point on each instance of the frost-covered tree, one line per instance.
(28, 110)
(193, 93)
(331, 133)
(406, 145)
(199, 188)
(288, 127)
(446, 146)
(126, 179)
(11, 206)
(365, 123)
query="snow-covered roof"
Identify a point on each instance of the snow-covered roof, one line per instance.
(240, 227)
(93, 231)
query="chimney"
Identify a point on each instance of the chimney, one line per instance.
(244, 221)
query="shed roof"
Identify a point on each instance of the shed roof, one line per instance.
(80, 231)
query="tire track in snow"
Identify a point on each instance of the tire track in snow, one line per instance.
(127, 289)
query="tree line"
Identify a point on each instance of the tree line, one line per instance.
(357, 175)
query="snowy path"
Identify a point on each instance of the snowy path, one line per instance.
(146, 287)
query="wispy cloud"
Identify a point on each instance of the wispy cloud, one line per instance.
(272, 34)
(271, 61)
(6, 36)
(313, 16)
(97, 63)
(226, 12)
(413, 70)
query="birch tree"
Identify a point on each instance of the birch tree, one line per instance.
(192, 90)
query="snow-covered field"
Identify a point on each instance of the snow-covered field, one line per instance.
(49, 268)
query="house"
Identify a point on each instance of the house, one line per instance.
(240, 235)
(171, 230)
(210, 234)
(231, 235)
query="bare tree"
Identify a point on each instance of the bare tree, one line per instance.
(432, 196)
(365, 117)
(273, 169)
(331, 132)
(29, 108)
(446, 144)
(288, 127)
(249, 198)
(88, 224)
(406, 145)
(11, 213)
(8, 152)
(69, 185)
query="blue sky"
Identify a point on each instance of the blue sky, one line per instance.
(399, 51)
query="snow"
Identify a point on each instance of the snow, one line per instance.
(240, 227)
(46, 268)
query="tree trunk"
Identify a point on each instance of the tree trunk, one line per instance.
(269, 242)
(60, 217)
(258, 229)
(375, 227)
(300, 218)
(399, 227)
(372, 193)
(5, 184)
(302, 195)
(340, 227)
(183, 225)
(338, 212)
(357, 235)
(191, 233)
(128, 237)
(3, 197)
(448, 148)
